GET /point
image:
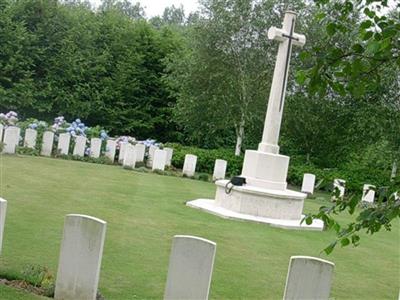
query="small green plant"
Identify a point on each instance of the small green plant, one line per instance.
(203, 177)
(39, 276)
(142, 170)
(159, 172)
(27, 151)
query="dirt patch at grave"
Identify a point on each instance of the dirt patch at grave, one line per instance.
(30, 288)
(25, 286)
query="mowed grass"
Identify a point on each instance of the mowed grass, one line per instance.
(144, 212)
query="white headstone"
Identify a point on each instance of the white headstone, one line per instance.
(129, 157)
(308, 183)
(219, 169)
(63, 143)
(80, 145)
(340, 184)
(3, 210)
(47, 143)
(189, 166)
(80, 258)
(308, 278)
(190, 268)
(1, 132)
(30, 138)
(170, 152)
(150, 157)
(368, 193)
(140, 151)
(121, 155)
(95, 147)
(11, 139)
(159, 160)
(394, 171)
(110, 149)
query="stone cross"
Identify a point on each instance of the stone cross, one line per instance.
(286, 38)
(80, 258)
(308, 278)
(190, 268)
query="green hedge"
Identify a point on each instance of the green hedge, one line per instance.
(206, 158)
(355, 173)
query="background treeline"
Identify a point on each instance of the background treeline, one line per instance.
(203, 80)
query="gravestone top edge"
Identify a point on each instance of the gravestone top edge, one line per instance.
(290, 12)
(313, 259)
(3, 200)
(194, 238)
(86, 217)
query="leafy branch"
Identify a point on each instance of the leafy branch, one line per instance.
(371, 218)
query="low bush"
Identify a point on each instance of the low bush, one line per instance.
(206, 158)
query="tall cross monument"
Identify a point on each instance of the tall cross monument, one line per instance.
(265, 198)
(286, 38)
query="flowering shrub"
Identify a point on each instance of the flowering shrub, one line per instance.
(125, 139)
(9, 119)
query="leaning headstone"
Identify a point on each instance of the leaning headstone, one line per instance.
(189, 166)
(159, 160)
(95, 147)
(340, 184)
(1, 132)
(3, 209)
(80, 258)
(219, 169)
(308, 278)
(47, 143)
(368, 193)
(140, 151)
(63, 143)
(190, 268)
(129, 157)
(111, 145)
(308, 183)
(121, 155)
(80, 145)
(150, 157)
(11, 139)
(170, 152)
(394, 171)
(30, 138)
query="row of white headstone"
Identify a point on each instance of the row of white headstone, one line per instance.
(190, 266)
(129, 155)
(340, 184)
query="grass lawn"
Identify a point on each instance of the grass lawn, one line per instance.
(144, 211)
